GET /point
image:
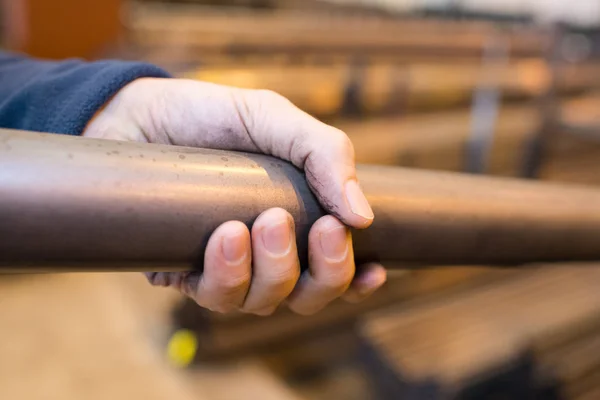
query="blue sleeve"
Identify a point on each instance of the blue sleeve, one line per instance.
(61, 97)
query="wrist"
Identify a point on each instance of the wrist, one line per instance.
(117, 118)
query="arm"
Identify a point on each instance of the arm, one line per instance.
(61, 97)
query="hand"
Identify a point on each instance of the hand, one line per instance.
(255, 271)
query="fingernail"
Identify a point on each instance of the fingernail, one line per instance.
(334, 243)
(357, 200)
(234, 249)
(276, 238)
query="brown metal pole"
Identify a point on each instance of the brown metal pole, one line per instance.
(71, 203)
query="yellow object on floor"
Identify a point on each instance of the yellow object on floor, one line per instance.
(182, 348)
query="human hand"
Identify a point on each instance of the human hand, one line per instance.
(255, 271)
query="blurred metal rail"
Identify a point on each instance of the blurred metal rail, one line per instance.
(487, 100)
(71, 203)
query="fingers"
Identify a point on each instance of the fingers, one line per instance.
(226, 277)
(325, 153)
(276, 267)
(193, 113)
(331, 267)
(229, 281)
(370, 278)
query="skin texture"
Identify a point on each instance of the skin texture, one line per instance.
(256, 271)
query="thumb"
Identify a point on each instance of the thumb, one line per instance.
(192, 113)
(326, 154)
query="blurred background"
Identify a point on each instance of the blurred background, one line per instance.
(497, 87)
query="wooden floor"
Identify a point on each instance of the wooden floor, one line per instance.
(102, 336)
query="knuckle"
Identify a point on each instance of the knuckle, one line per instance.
(282, 277)
(337, 282)
(173, 279)
(341, 140)
(338, 144)
(157, 278)
(270, 96)
(229, 285)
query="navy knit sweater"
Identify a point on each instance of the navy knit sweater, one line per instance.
(60, 97)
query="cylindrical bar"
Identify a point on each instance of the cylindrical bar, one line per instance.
(71, 203)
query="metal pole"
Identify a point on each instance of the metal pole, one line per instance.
(536, 149)
(487, 101)
(71, 203)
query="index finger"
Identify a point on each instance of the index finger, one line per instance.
(326, 154)
(222, 117)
